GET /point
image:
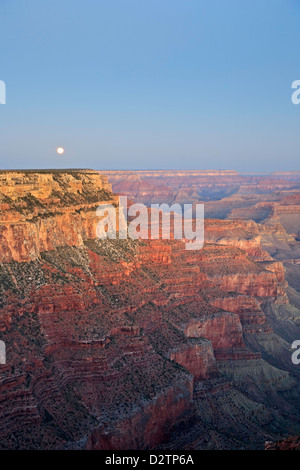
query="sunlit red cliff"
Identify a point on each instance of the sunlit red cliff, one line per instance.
(122, 344)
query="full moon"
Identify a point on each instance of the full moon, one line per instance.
(60, 150)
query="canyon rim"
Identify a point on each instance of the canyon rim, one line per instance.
(141, 344)
(149, 231)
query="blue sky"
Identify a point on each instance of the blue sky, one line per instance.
(138, 84)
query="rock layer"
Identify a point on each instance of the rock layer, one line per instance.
(114, 344)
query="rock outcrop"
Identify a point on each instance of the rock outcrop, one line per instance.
(113, 344)
(41, 211)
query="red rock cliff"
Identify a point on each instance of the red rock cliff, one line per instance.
(106, 340)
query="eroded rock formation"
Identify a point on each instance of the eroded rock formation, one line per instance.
(115, 344)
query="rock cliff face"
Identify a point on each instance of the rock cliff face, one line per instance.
(42, 211)
(122, 344)
(186, 186)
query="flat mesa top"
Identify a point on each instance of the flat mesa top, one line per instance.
(51, 170)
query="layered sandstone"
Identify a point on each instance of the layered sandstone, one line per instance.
(111, 344)
(42, 211)
(185, 186)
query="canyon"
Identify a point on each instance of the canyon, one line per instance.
(141, 344)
